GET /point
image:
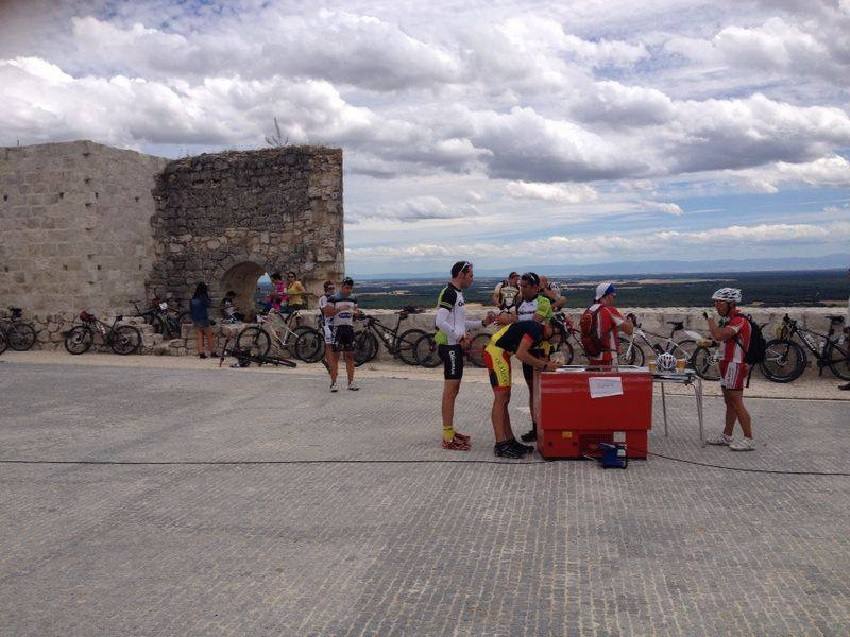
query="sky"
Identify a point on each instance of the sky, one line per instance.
(503, 132)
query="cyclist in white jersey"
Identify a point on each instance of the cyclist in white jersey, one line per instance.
(451, 339)
(343, 308)
(326, 323)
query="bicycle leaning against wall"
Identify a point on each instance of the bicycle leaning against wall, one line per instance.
(785, 358)
(305, 343)
(123, 339)
(18, 335)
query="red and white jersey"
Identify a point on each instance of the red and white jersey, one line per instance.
(608, 322)
(734, 349)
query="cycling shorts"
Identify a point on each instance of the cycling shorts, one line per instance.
(733, 375)
(329, 335)
(344, 339)
(452, 357)
(498, 363)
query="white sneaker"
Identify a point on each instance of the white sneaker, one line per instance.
(745, 444)
(721, 439)
(334, 387)
(353, 386)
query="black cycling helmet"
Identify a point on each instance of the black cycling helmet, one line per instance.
(348, 281)
(531, 277)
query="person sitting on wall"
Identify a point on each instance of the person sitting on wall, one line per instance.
(229, 311)
(295, 291)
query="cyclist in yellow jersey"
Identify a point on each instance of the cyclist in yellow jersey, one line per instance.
(518, 339)
(533, 305)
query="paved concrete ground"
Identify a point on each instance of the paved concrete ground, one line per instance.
(307, 513)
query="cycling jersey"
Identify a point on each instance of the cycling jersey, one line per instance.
(326, 322)
(509, 337)
(735, 348)
(346, 306)
(506, 293)
(540, 304)
(608, 322)
(451, 321)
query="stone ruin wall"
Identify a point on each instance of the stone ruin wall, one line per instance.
(226, 219)
(75, 230)
(86, 226)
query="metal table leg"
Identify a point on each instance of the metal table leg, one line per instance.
(664, 407)
(698, 396)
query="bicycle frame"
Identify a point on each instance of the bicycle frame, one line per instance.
(387, 335)
(816, 342)
(275, 322)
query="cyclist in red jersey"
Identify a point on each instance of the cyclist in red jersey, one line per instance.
(733, 332)
(608, 322)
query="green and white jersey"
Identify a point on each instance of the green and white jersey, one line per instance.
(540, 304)
(451, 320)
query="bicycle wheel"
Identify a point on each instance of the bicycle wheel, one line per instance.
(20, 336)
(784, 361)
(309, 345)
(630, 353)
(684, 350)
(78, 340)
(365, 347)
(184, 317)
(427, 351)
(839, 361)
(476, 349)
(126, 340)
(2, 341)
(705, 363)
(405, 345)
(254, 340)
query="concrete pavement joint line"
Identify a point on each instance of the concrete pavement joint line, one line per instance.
(339, 462)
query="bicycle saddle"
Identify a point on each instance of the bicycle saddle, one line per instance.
(835, 319)
(16, 312)
(679, 325)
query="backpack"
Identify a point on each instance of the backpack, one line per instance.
(590, 340)
(757, 351)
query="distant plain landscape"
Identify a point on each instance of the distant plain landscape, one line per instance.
(763, 289)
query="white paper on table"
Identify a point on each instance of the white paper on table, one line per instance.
(602, 386)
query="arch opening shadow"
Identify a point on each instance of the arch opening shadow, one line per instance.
(242, 279)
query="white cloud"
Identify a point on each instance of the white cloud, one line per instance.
(419, 208)
(555, 193)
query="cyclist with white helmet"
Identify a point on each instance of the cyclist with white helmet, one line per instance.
(733, 332)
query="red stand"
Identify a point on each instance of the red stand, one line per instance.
(571, 422)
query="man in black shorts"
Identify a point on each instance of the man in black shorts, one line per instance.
(342, 307)
(451, 339)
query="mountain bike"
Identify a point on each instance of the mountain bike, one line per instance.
(20, 336)
(367, 340)
(244, 358)
(632, 353)
(785, 358)
(124, 339)
(305, 343)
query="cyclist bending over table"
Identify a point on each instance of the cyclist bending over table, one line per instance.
(342, 308)
(521, 340)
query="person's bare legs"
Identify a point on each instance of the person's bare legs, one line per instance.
(332, 359)
(450, 392)
(199, 338)
(500, 416)
(735, 410)
(349, 365)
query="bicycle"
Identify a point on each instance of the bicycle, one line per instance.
(3, 342)
(124, 339)
(785, 359)
(305, 343)
(244, 358)
(633, 353)
(18, 335)
(366, 341)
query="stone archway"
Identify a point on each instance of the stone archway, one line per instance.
(242, 279)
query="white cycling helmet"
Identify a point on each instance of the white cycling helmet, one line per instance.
(666, 363)
(730, 295)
